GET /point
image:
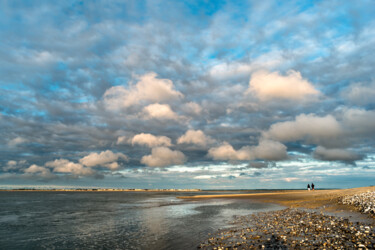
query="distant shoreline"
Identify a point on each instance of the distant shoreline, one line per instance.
(99, 190)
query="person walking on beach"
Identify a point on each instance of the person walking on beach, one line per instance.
(308, 187)
(312, 186)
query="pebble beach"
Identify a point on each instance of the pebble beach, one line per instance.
(293, 229)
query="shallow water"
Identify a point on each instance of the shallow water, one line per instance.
(113, 220)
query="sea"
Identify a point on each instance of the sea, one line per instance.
(115, 220)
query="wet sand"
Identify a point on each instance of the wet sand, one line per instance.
(314, 199)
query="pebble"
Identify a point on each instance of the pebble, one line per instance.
(292, 229)
(364, 202)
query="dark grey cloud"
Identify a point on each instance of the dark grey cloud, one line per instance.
(258, 164)
(336, 155)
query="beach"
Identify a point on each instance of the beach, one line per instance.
(113, 219)
(245, 219)
(315, 219)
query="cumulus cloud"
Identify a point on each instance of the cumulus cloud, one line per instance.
(265, 150)
(148, 88)
(227, 152)
(268, 85)
(66, 166)
(163, 156)
(308, 127)
(269, 150)
(112, 165)
(35, 169)
(151, 141)
(39, 171)
(196, 137)
(336, 154)
(17, 141)
(106, 159)
(160, 112)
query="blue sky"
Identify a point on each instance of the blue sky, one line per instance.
(195, 94)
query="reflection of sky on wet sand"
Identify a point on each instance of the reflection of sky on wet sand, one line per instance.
(154, 220)
(186, 220)
(113, 220)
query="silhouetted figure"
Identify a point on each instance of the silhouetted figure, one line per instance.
(308, 187)
(312, 186)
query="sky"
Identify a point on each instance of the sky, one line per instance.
(187, 94)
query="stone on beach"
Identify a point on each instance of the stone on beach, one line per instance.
(293, 229)
(364, 202)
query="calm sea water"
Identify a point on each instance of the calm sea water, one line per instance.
(113, 220)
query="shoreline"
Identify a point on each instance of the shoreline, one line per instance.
(312, 220)
(100, 190)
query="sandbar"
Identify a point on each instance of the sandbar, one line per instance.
(313, 199)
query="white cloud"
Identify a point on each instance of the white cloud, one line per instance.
(148, 88)
(350, 127)
(112, 165)
(335, 154)
(290, 179)
(162, 156)
(204, 177)
(227, 152)
(151, 141)
(266, 150)
(228, 70)
(269, 150)
(104, 159)
(196, 137)
(160, 112)
(309, 127)
(268, 85)
(66, 166)
(35, 169)
(17, 141)
(39, 171)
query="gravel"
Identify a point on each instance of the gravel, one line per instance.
(364, 202)
(293, 229)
